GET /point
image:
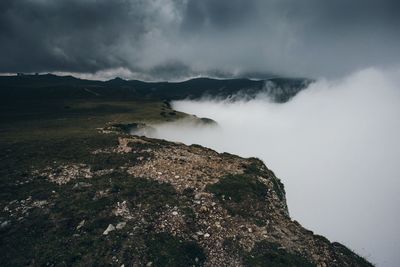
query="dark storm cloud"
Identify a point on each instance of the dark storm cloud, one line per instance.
(174, 69)
(304, 37)
(66, 35)
(218, 14)
(169, 39)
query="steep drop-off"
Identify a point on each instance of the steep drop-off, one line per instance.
(148, 202)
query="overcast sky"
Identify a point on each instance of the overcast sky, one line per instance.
(174, 39)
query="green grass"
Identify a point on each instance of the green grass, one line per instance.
(238, 188)
(355, 259)
(242, 195)
(166, 250)
(255, 169)
(38, 120)
(40, 131)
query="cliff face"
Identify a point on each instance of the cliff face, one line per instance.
(148, 202)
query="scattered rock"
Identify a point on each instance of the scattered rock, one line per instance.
(103, 172)
(109, 229)
(62, 174)
(80, 225)
(189, 210)
(4, 224)
(186, 167)
(81, 185)
(203, 209)
(21, 209)
(122, 210)
(120, 225)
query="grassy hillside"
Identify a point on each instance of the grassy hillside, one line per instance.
(48, 106)
(77, 190)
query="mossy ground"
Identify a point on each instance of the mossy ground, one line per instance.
(272, 255)
(356, 260)
(166, 250)
(40, 133)
(50, 236)
(243, 195)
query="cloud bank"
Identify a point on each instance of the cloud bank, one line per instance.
(175, 39)
(335, 146)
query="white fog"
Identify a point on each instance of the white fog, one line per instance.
(335, 146)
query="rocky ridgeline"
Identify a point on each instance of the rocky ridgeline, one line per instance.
(148, 202)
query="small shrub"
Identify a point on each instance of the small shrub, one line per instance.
(239, 188)
(269, 254)
(167, 250)
(242, 195)
(355, 259)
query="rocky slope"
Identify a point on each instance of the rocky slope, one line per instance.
(146, 202)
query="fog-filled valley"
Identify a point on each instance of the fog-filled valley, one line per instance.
(334, 145)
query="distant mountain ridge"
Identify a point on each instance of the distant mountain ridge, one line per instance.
(280, 89)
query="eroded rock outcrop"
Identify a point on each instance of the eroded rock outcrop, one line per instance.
(168, 204)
